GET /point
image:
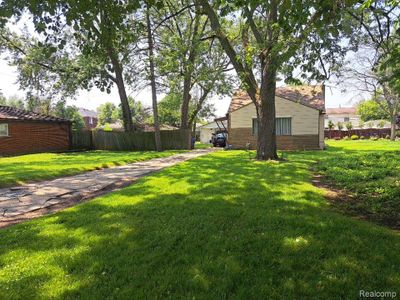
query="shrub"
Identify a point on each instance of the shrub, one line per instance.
(354, 137)
(362, 137)
(374, 138)
(346, 138)
(387, 137)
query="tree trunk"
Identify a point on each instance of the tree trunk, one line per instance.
(119, 80)
(393, 127)
(266, 144)
(188, 71)
(186, 100)
(153, 83)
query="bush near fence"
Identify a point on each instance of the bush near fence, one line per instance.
(131, 141)
(368, 132)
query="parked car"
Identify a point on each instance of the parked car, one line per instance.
(218, 140)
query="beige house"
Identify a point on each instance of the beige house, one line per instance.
(342, 115)
(300, 112)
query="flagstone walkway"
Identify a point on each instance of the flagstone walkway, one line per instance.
(27, 201)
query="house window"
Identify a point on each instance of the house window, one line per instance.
(283, 126)
(346, 119)
(91, 121)
(3, 129)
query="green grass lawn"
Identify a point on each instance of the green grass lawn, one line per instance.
(370, 172)
(35, 167)
(219, 226)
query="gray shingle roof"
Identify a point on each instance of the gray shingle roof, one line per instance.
(15, 114)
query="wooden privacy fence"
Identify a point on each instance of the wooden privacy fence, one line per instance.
(131, 141)
(368, 132)
(82, 140)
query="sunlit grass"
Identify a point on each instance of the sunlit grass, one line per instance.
(370, 172)
(34, 167)
(219, 226)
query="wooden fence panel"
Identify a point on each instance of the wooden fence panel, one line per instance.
(82, 140)
(140, 141)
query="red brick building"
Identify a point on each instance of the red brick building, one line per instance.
(28, 132)
(89, 117)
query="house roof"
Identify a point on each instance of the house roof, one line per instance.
(15, 114)
(84, 112)
(309, 95)
(341, 110)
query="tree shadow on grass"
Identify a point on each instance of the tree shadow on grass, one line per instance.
(219, 226)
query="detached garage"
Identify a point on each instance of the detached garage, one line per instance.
(28, 132)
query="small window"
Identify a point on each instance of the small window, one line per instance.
(255, 127)
(3, 129)
(283, 126)
(346, 119)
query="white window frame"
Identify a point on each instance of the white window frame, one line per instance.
(7, 130)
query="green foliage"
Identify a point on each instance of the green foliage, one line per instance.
(140, 113)
(349, 126)
(339, 125)
(371, 110)
(331, 125)
(70, 113)
(354, 137)
(169, 109)
(106, 113)
(13, 101)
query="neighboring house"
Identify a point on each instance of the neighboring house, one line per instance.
(343, 115)
(28, 132)
(207, 130)
(299, 118)
(89, 117)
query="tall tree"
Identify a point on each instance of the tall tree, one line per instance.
(152, 75)
(283, 35)
(192, 64)
(378, 33)
(102, 31)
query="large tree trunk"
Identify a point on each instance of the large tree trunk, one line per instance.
(119, 80)
(266, 146)
(153, 83)
(186, 100)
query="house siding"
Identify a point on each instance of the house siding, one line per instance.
(307, 126)
(30, 137)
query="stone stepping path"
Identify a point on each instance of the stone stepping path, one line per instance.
(19, 203)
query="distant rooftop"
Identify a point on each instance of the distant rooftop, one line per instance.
(84, 112)
(341, 110)
(15, 114)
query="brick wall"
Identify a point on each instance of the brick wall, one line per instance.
(238, 137)
(31, 137)
(87, 122)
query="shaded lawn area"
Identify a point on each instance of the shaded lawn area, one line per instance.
(370, 172)
(35, 167)
(219, 226)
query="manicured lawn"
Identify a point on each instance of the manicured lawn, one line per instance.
(370, 172)
(34, 167)
(220, 226)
